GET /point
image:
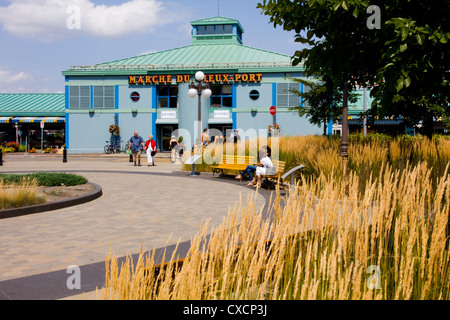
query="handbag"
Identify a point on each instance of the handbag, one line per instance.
(153, 153)
(128, 151)
(271, 171)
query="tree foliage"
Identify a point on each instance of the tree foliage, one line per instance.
(407, 58)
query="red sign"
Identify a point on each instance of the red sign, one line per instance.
(273, 110)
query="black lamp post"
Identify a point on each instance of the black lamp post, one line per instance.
(197, 89)
(344, 142)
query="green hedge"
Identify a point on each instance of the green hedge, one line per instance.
(48, 179)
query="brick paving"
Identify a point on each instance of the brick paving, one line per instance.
(148, 206)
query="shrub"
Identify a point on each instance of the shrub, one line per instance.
(22, 148)
(13, 145)
(9, 150)
(49, 179)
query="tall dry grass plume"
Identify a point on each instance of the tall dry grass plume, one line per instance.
(327, 241)
(24, 193)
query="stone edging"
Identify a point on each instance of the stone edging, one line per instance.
(54, 205)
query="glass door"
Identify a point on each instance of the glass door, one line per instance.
(166, 135)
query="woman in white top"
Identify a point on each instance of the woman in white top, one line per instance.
(264, 163)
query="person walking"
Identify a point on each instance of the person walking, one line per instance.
(150, 148)
(173, 145)
(136, 144)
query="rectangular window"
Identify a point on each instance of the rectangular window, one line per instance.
(222, 96)
(286, 98)
(79, 97)
(167, 96)
(201, 30)
(210, 29)
(219, 29)
(103, 97)
(228, 29)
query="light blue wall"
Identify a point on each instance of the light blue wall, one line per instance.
(88, 134)
(243, 96)
(145, 102)
(291, 124)
(140, 122)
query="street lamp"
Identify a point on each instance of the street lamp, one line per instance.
(197, 89)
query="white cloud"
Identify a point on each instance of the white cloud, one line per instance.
(9, 77)
(49, 20)
(147, 52)
(12, 82)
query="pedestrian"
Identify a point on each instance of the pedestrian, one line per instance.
(205, 137)
(173, 145)
(136, 144)
(236, 136)
(150, 148)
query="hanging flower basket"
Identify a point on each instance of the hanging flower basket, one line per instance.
(274, 127)
(115, 130)
(274, 130)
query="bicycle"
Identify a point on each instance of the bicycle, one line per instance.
(113, 147)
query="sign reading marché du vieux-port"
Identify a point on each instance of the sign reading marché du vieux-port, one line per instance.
(185, 78)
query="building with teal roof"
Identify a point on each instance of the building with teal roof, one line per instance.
(149, 93)
(21, 115)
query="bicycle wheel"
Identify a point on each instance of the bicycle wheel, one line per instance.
(108, 149)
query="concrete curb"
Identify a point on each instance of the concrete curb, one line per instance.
(55, 205)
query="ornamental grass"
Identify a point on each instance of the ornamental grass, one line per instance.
(16, 195)
(325, 240)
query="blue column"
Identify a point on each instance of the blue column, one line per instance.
(274, 99)
(116, 104)
(154, 114)
(92, 97)
(234, 105)
(66, 125)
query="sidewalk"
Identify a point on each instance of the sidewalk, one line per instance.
(140, 206)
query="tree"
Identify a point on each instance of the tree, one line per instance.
(416, 63)
(340, 46)
(323, 101)
(408, 57)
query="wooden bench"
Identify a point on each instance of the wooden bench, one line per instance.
(280, 170)
(233, 163)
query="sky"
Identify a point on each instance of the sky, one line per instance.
(41, 38)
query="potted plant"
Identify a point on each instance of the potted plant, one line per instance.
(114, 130)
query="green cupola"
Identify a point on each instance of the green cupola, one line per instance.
(218, 30)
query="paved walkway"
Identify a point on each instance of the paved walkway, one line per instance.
(148, 206)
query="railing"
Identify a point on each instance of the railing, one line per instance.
(185, 66)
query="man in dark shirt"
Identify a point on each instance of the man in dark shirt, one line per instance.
(136, 145)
